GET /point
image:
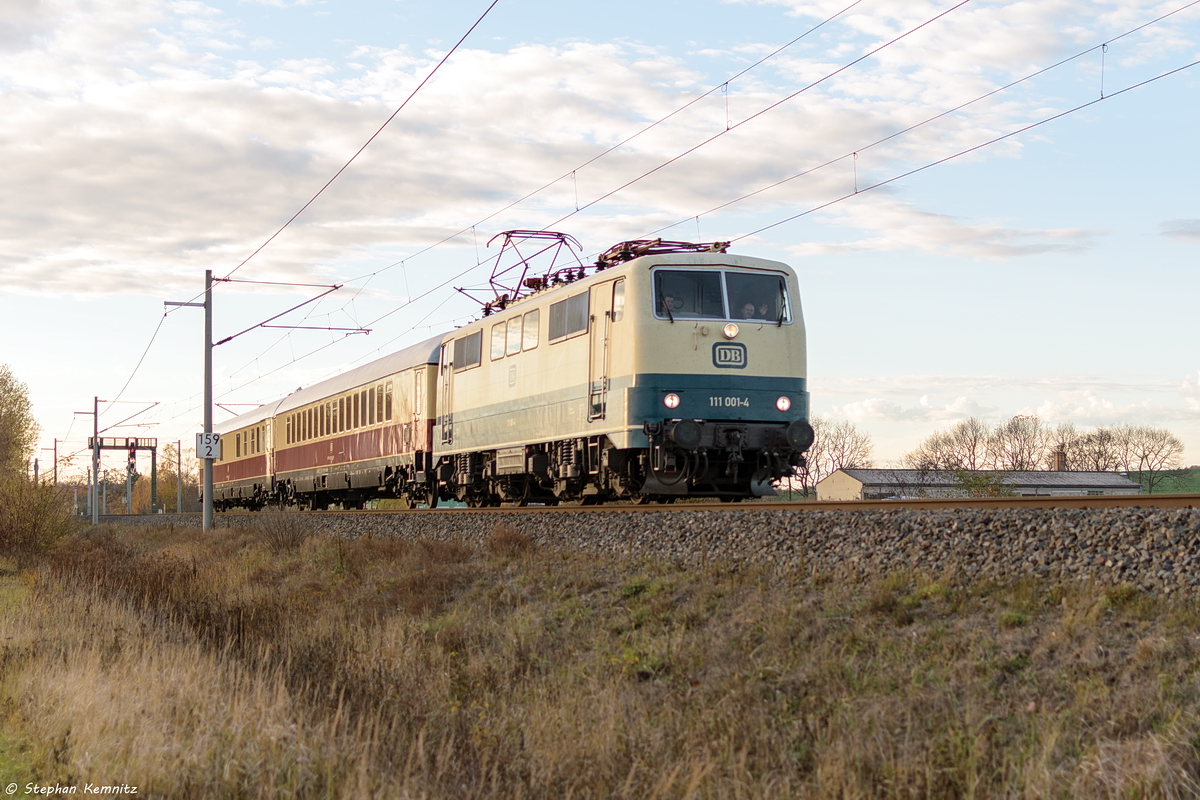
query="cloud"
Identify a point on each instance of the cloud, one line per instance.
(144, 141)
(1185, 230)
(912, 400)
(898, 225)
(878, 409)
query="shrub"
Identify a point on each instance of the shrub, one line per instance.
(283, 532)
(32, 518)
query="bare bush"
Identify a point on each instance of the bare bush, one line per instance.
(33, 518)
(282, 531)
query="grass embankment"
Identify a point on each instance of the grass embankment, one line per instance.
(265, 664)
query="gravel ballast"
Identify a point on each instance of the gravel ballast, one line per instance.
(1155, 549)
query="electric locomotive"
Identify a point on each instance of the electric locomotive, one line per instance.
(673, 370)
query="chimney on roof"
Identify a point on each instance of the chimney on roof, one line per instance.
(1060, 460)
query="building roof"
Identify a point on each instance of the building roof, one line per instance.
(1018, 478)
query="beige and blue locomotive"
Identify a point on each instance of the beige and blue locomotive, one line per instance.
(666, 375)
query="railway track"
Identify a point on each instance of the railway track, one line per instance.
(1163, 501)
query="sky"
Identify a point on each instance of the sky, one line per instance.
(990, 206)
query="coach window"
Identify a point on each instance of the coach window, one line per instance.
(387, 402)
(418, 407)
(363, 401)
(371, 406)
(468, 351)
(498, 340)
(237, 445)
(379, 403)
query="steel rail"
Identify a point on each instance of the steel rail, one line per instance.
(926, 504)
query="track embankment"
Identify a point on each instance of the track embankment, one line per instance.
(1157, 549)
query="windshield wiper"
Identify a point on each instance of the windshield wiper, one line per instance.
(663, 302)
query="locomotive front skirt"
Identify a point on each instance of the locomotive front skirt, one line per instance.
(666, 376)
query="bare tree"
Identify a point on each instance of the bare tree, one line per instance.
(838, 444)
(18, 429)
(1101, 450)
(964, 447)
(1018, 444)
(1150, 452)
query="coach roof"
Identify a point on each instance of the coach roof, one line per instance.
(425, 352)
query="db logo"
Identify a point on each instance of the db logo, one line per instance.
(730, 355)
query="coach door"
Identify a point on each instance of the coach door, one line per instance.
(446, 397)
(268, 432)
(600, 330)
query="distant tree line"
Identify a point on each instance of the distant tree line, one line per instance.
(1025, 443)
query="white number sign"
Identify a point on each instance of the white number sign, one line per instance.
(208, 445)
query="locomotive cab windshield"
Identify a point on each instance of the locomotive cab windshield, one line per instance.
(721, 295)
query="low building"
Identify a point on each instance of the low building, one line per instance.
(882, 484)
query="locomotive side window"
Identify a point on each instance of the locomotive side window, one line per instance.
(680, 294)
(529, 336)
(569, 317)
(513, 338)
(618, 300)
(468, 351)
(497, 341)
(756, 296)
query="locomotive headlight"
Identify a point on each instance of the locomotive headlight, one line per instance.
(730, 331)
(783, 403)
(671, 400)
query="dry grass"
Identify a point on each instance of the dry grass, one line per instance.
(240, 666)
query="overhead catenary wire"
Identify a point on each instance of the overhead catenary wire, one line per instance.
(922, 123)
(964, 152)
(757, 114)
(471, 229)
(358, 152)
(572, 173)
